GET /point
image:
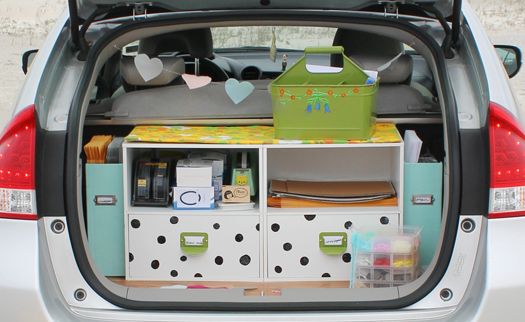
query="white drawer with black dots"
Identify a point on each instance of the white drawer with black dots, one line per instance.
(316, 246)
(193, 247)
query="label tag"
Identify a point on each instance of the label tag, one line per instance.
(235, 194)
(105, 200)
(194, 240)
(333, 240)
(423, 199)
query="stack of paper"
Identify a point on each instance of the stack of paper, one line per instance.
(96, 148)
(413, 146)
(333, 191)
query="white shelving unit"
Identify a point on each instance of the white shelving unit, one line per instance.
(264, 243)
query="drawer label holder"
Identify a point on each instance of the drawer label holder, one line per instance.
(333, 243)
(105, 200)
(427, 199)
(193, 243)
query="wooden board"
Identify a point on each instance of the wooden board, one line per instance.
(250, 288)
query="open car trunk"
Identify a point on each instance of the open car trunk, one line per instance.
(148, 234)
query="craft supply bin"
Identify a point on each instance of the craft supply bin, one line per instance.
(385, 258)
(311, 105)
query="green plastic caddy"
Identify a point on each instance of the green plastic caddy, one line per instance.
(308, 105)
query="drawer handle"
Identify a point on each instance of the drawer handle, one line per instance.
(192, 243)
(333, 243)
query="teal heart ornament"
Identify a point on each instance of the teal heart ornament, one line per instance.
(238, 92)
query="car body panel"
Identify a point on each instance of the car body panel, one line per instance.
(20, 278)
(500, 91)
(29, 92)
(504, 282)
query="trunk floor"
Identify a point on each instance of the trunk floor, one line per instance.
(250, 288)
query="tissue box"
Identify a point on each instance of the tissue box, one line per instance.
(218, 164)
(194, 173)
(193, 198)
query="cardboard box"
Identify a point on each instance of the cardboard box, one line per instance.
(240, 194)
(218, 160)
(193, 198)
(194, 173)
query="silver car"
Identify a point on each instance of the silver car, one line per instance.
(81, 241)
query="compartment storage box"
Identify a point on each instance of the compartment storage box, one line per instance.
(385, 258)
(423, 199)
(311, 105)
(105, 217)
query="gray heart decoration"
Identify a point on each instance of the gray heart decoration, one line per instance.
(148, 68)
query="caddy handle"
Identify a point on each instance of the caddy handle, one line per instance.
(324, 50)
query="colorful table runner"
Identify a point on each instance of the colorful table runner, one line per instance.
(257, 134)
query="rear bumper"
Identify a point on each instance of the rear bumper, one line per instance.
(30, 290)
(504, 290)
(19, 272)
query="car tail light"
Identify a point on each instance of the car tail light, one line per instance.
(17, 167)
(507, 164)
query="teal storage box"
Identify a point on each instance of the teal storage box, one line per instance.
(105, 217)
(422, 204)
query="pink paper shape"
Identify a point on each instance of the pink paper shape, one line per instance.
(194, 82)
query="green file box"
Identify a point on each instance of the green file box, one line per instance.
(105, 217)
(422, 204)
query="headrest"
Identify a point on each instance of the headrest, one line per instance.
(371, 51)
(173, 67)
(198, 43)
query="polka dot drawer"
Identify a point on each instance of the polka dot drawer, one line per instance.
(298, 243)
(193, 247)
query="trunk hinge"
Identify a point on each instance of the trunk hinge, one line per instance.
(140, 9)
(391, 7)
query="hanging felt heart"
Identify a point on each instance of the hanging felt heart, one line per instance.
(148, 68)
(196, 81)
(238, 92)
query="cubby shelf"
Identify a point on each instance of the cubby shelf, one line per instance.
(264, 243)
